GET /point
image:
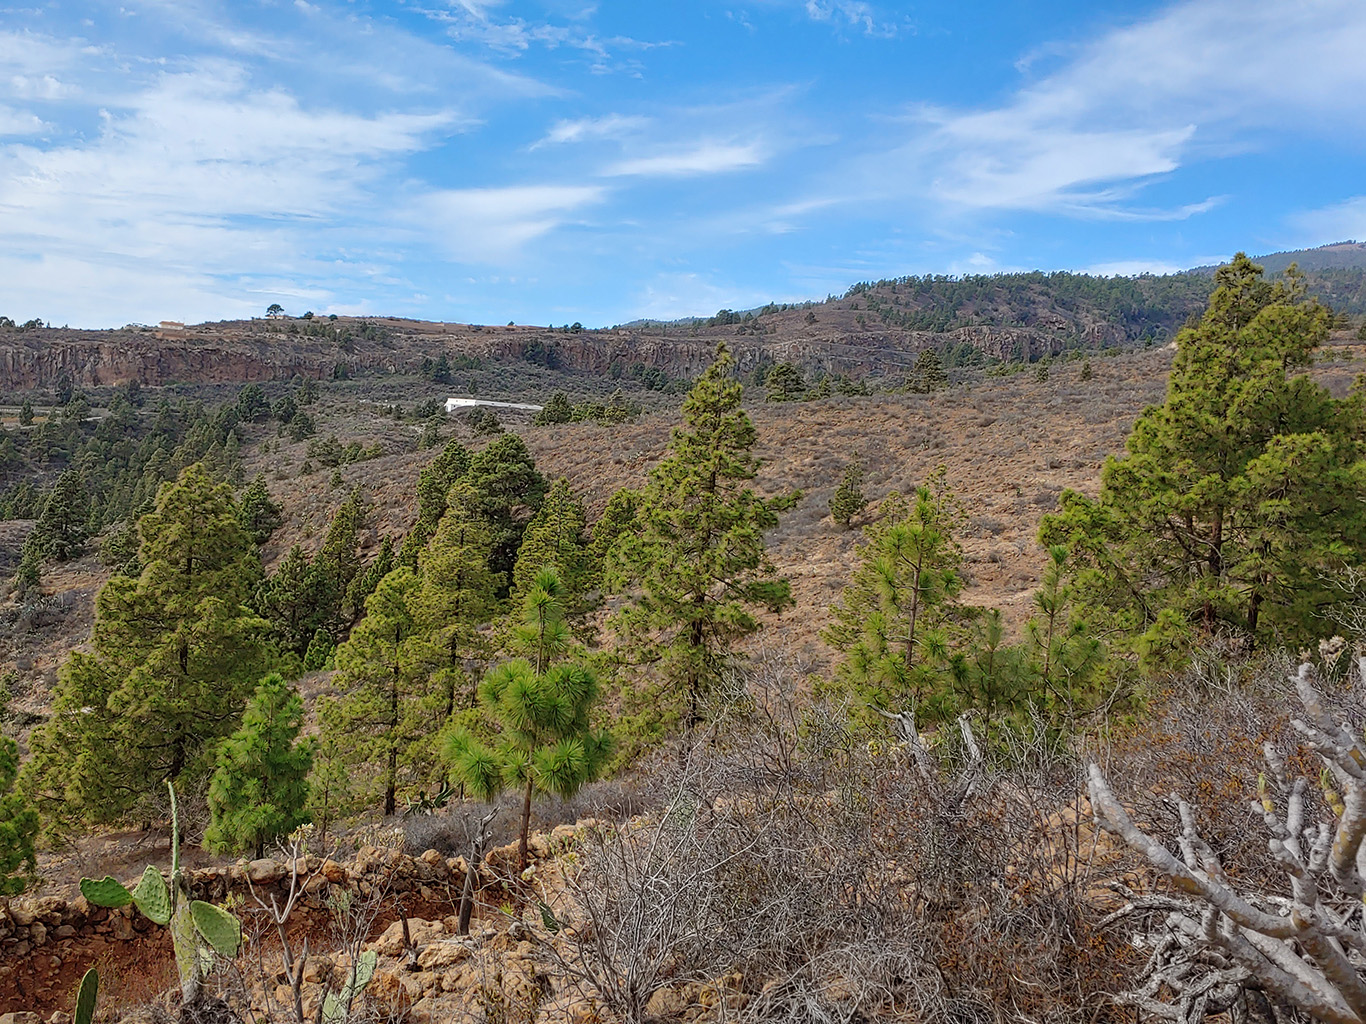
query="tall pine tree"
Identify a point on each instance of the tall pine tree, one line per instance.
(894, 620)
(175, 653)
(510, 492)
(458, 596)
(1240, 496)
(62, 528)
(387, 707)
(695, 562)
(433, 483)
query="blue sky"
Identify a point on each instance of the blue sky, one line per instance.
(563, 160)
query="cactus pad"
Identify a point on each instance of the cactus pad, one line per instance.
(364, 970)
(105, 893)
(85, 997)
(152, 897)
(335, 1004)
(220, 929)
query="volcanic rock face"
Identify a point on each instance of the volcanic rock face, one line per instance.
(235, 352)
(40, 358)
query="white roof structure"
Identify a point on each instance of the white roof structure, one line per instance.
(469, 403)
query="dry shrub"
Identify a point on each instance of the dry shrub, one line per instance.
(1201, 738)
(797, 874)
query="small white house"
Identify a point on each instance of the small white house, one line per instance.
(452, 404)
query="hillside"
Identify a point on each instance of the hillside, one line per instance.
(876, 329)
(1010, 445)
(1349, 255)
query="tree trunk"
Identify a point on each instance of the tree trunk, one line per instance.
(526, 827)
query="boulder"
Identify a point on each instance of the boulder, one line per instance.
(422, 933)
(50, 909)
(443, 954)
(265, 871)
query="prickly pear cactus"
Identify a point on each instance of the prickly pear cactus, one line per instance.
(107, 892)
(152, 897)
(220, 929)
(190, 922)
(337, 1005)
(85, 998)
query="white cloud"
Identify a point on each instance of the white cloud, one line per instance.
(194, 182)
(854, 13)
(218, 176)
(706, 158)
(1346, 219)
(609, 126)
(477, 21)
(1199, 79)
(676, 295)
(492, 225)
(19, 122)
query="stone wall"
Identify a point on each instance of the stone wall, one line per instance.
(47, 942)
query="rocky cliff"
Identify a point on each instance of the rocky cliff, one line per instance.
(242, 351)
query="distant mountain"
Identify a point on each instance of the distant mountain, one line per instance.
(1349, 255)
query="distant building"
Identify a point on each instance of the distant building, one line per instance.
(469, 403)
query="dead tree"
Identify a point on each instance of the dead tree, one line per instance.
(1277, 956)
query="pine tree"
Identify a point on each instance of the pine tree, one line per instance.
(261, 517)
(1239, 495)
(1065, 658)
(990, 676)
(928, 374)
(1086, 372)
(62, 527)
(320, 651)
(510, 492)
(554, 539)
(295, 600)
(26, 414)
(175, 653)
(18, 826)
(556, 410)
(458, 594)
(260, 787)
(387, 706)
(338, 561)
(432, 484)
(252, 404)
(894, 620)
(849, 500)
(617, 518)
(696, 562)
(541, 710)
(784, 383)
(365, 581)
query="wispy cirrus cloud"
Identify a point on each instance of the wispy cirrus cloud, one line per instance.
(585, 129)
(491, 225)
(1346, 219)
(482, 22)
(1198, 80)
(223, 178)
(704, 158)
